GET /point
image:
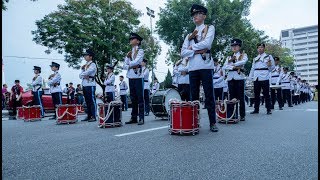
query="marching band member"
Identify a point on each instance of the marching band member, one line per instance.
(109, 83)
(196, 47)
(123, 93)
(155, 86)
(293, 87)
(299, 90)
(146, 86)
(235, 67)
(276, 74)
(135, 75)
(87, 75)
(71, 91)
(55, 88)
(181, 71)
(218, 80)
(225, 88)
(285, 81)
(37, 89)
(260, 73)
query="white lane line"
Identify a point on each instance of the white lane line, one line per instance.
(312, 110)
(136, 132)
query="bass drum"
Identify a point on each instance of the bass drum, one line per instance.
(160, 101)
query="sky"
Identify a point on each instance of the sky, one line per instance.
(18, 21)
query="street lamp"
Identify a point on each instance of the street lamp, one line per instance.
(150, 13)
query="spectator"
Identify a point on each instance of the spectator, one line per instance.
(4, 91)
(71, 92)
(16, 97)
(79, 92)
(65, 90)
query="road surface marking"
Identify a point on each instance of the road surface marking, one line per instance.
(136, 132)
(312, 110)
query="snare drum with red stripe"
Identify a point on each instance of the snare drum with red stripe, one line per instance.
(31, 113)
(66, 113)
(227, 111)
(184, 117)
(20, 113)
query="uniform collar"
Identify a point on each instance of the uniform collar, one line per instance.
(89, 62)
(200, 27)
(135, 47)
(236, 54)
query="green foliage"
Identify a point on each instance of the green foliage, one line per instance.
(228, 18)
(167, 83)
(100, 25)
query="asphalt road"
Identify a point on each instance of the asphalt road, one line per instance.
(283, 145)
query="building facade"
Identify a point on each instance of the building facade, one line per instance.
(303, 43)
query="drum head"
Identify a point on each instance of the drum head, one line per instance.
(171, 94)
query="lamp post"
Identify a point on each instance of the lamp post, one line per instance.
(150, 13)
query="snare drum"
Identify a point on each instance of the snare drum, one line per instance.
(20, 112)
(227, 111)
(80, 109)
(31, 113)
(184, 117)
(160, 101)
(110, 114)
(66, 113)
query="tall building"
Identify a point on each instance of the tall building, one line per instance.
(303, 43)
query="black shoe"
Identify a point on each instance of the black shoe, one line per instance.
(250, 106)
(12, 118)
(53, 118)
(242, 119)
(290, 106)
(214, 128)
(280, 108)
(254, 112)
(132, 121)
(269, 112)
(141, 122)
(92, 119)
(146, 114)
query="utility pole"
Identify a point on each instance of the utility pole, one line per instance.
(150, 13)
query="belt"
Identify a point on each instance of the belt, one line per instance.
(91, 76)
(134, 67)
(275, 76)
(285, 82)
(109, 84)
(216, 77)
(122, 89)
(241, 70)
(145, 80)
(261, 69)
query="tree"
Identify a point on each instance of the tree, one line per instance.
(167, 83)
(274, 48)
(4, 7)
(100, 25)
(227, 16)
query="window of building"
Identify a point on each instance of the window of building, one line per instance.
(299, 44)
(313, 47)
(285, 34)
(300, 49)
(313, 53)
(313, 42)
(302, 38)
(304, 54)
(313, 75)
(314, 36)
